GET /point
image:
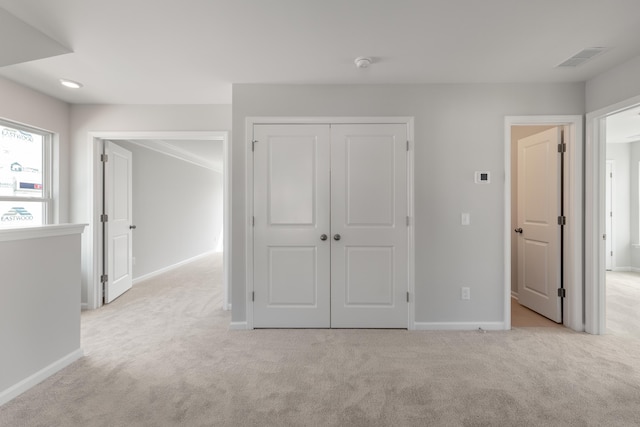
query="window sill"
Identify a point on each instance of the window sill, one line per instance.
(51, 230)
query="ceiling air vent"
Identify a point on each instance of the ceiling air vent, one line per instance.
(582, 56)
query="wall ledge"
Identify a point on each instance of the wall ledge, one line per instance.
(51, 230)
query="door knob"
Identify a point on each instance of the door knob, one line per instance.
(323, 237)
(336, 237)
(132, 227)
(518, 230)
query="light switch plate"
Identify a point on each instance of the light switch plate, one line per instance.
(465, 218)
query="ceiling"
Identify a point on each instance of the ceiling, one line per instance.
(191, 51)
(623, 127)
(205, 153)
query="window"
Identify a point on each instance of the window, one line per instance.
(25, 180)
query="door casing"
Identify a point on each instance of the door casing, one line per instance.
(594, 210)
(92, 241)
(573, 303)
(251, 121)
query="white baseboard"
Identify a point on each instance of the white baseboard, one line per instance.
(634, 269)
(459, 326)
(84, 306)
(514, 295)
(171, 267)
(24, 385)
(238, 326)
(226, 306)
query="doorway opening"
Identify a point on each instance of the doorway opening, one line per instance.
(620, 287)
(93, 248)
(570, 208)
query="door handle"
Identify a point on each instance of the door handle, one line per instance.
(518, 230)
(323, 237)
(132, 227)
(336, 237)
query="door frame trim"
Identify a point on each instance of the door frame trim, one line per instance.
(251, 121)
(595, 246)
(573, 283)
(92, 239)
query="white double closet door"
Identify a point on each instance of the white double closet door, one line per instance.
(330, 226)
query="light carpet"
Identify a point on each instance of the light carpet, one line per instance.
(162, 355)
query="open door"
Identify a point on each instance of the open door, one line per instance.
(540, 223)
(118, 247)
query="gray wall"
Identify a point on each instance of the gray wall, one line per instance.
(39, 308)
(621, 207)
(459, 129)
(177, 209)
(634, 204)
(616, 85)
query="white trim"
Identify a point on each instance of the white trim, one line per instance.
(249, 124)
(595, 157)
(573, 304)
(92, 246)
(622, 269)
(514, 295)
(171, 267)
(459, 326)
(38, 232)
(32, 380)
(238, 326)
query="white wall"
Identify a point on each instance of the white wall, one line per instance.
(612, 86)
(94, 118)
(621, 239)
(459, 129)
(177, 209)
(23, 105)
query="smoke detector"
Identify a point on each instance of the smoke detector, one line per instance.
(363, 61)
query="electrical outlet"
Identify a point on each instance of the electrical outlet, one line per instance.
(465, 293)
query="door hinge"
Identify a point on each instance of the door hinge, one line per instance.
(407, 145)
(562, 293)
(611, 253)
(253, 296)
(604, 237)
(408, 220)
(253, 145)
(104, 218)
(407, 296)
(562, 220)
(611, 214)
(562, 148)
(253, 221)
(104, 158)
(104, 278)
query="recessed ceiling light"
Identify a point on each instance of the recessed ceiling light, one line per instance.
(70, 84)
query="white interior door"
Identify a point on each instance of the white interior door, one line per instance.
(539, 241)
(291, 215)
(369, 262)
(118, 251)
(609, 215)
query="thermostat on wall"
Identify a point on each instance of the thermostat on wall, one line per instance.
(483, 177)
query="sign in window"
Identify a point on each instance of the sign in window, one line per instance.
(24, 184)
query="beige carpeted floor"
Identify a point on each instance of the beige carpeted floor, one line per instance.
(162, 355)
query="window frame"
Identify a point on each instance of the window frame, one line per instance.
(46, 199)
